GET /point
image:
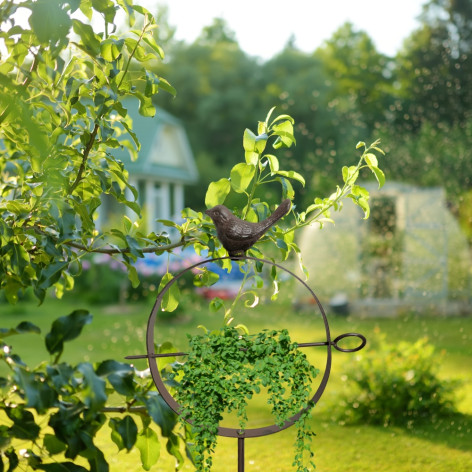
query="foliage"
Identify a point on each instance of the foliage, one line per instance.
(225, 368)
(74, 401)
(261, 169)
(342, 92)
(396, 384)
(62, 115)
(434, 69)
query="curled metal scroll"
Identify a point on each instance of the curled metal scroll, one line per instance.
(235, 432)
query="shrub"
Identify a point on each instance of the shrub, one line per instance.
(396, 383)
(74, 402)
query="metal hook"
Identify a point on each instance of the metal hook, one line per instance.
(335, 342)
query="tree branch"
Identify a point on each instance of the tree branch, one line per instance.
(126, 250)
(124, 409)
(85, 155)
(24, 84)
(111, 250)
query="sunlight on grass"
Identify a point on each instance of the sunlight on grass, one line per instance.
(436, 446)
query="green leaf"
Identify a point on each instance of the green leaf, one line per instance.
(205, 278)
(360, 196)
(249, 140)
(171, 298)
(13, 460)
(39, 394)
(161, 413)
(120, 376)
(249, 143)
(111, 48)
(93, 387)
(173, 448)
(287, 189)
(49, 21)
(127, 432)
(66, 328)
(360, 144)
(51, 274)
(273, 162)
(379, 175)
(146, 107)
(23, 327)
(24, 425)
(241, 176)
(280, 118)
(378, 150)
(350, 174)
(371, 159)
(217, 192)
(53, 444)
(133, 275)
(261, 142)
(284, 133)
(149, 448)
(90, 40)
(216, 304)
(163, 84)
(165, 348)
(150, 41)
(115, 435)
(291, 174)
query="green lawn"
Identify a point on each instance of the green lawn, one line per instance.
(440, 446)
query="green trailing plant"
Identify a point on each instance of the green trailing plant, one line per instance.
(51, 413)
(225, 368)
(396, 384)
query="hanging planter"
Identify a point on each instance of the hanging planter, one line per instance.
(226, 367)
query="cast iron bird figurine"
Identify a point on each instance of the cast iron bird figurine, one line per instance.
(236, 235)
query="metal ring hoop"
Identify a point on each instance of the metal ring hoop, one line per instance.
(224, 431)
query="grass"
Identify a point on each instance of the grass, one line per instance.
(438, 446)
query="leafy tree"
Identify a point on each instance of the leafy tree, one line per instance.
(434, 69)
(432, 107)
(52, 412)
(62, 86)
(217, 84)
(360, 76)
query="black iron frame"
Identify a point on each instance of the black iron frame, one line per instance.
(234, 432)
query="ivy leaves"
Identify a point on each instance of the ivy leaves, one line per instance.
(226, 368)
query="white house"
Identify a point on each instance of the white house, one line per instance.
(164, 166)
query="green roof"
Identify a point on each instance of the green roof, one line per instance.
(165, 151)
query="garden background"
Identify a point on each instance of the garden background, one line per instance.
(419, 103)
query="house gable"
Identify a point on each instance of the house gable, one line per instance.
(165, 153)
(164, 166)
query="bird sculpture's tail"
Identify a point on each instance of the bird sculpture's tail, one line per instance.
(279, 212)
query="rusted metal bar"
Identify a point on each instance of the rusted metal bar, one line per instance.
(240, 454)
(154, 356)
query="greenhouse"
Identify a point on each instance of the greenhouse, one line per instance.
(409, 256)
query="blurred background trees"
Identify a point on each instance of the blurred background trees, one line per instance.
(419, 102)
